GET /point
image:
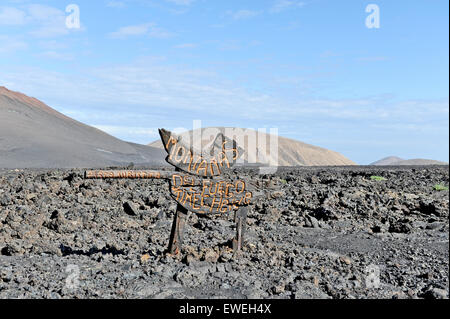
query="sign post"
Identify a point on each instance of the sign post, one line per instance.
(176, 236)
(196, 184)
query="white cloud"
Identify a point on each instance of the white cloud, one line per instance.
(10, 44)
(44, 21)
(244, 14)
(150, 86)
(132, 30)
(144, 134)
(156, 86)
(12, 16)
(218, 26)
(185, 46)
(53, 45)
(281, 5)
(51, 21)
(160, 33)
(44, 13)
(57, 55)
(129, 100)
(149, 29)
(181, 2)
(373, 59)
(115, 4)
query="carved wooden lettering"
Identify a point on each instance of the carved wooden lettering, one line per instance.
(200, 191)
(209, 195)
(220, 156)
(130, 174)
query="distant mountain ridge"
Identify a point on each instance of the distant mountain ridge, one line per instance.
(397, 161)
(290, 152)
(387, 160)
(33, 135)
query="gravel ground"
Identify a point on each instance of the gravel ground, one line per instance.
(326, 233)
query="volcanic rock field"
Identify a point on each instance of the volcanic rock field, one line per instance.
(324, 232)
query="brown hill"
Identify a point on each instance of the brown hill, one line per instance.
(290, 152)
(419, 161)
(33, 135)
(396, 161)
(387, 161)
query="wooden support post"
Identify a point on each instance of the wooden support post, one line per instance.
(240, 218)
(176, 236)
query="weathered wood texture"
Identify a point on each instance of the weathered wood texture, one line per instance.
(210, 195)
(240, 219)
(214, 195)
(219, 157)
(129, 174)
(176, 235)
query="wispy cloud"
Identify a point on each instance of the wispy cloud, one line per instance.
(282, 5)
(185, 46)
(244, 14)
(181, 2)
(328, 54)
(115, 4)
(139, 133)
(372, 59)
(12, 16)
(277, 7)
(51, 21)
(130, 100)
(55, 55)
(146, 29)
(10, 44)
(132, 30)
(161, 87)
(45, 21)
(53, 45)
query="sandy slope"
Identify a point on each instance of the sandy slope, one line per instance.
(394, 161)
(387, 160)
(34, 135)
(291, 152)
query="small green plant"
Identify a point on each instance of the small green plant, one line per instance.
(283, 181)
(439, 187)
(377, 178)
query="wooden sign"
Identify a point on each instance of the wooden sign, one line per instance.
(199, 195)
(198, 189)
(129, 174)
(210, 196)
(205, 195)
(220, 156)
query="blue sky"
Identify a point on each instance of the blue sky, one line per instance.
(312, 69)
